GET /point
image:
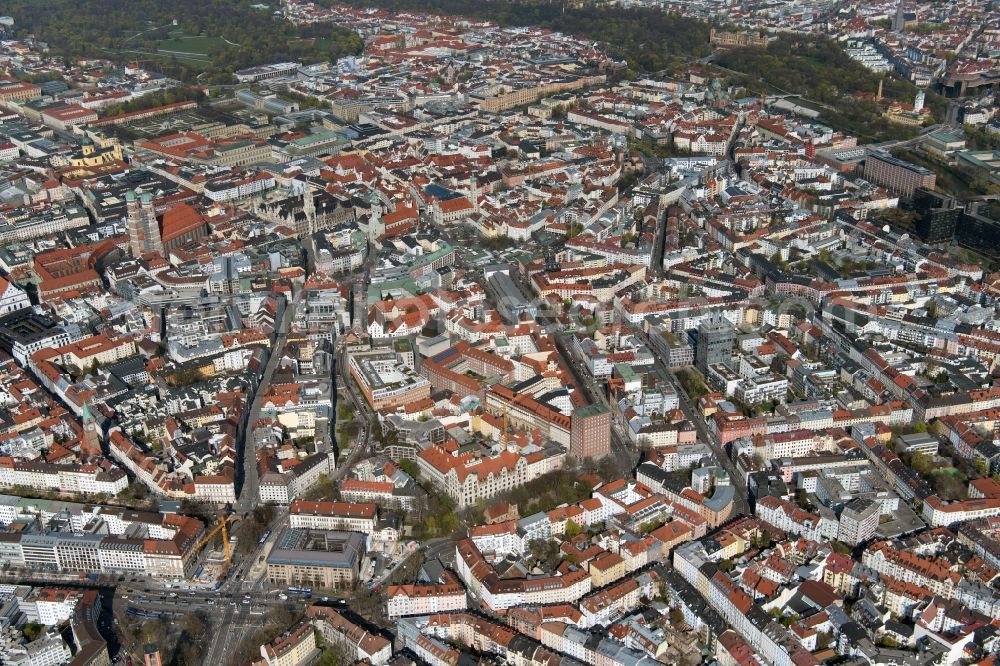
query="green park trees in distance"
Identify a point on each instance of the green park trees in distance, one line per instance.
(649, 39)
(225, 35)
(818, 69)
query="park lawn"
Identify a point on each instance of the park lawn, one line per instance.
(200, 63)
(193, 46)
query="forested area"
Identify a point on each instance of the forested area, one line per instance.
(649, 39)
(818, 69)
(239, 35)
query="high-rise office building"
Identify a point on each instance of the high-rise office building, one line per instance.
(937, 215)
(897, 175)
(715, 342)
(899, 20)
(590, 432)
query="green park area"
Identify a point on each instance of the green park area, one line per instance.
(192, 49)
(196, 45)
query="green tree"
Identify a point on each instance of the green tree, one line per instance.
(949, 486)
(920, 463)
(118, 29)
(32, 631)
(981, 466)
(841, 548)
(330, 656)
(253, 527)
(449, 522)
(818, 69)
(608, 470)
(789, 620)
(762, 541)
(410, 467)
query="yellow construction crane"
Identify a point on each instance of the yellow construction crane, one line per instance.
(221, 526)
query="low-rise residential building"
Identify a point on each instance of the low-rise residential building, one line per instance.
(346, 516)
(356, 642)
(426, 598)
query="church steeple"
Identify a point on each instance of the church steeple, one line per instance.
(376, 227)
(90, 444)
(143, 227)
(474, 191)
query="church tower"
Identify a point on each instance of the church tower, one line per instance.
(376, 226)
(90, 445)
(143, 227)
(474, 191)
(308, 225)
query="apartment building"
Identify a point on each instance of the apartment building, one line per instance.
(859, 520)
(600, 608)
(938, 512)
(284, 483)
(383, 493)
(605, 569)
(911, 568)
(761, 632)
(295, 647)
(426, 598)
(16, 91)
(167, 551)
(526, 412)
(786, 516)
(499, 594)
(347, 516)
(591, 648)
(356, 643)
(49, 605)
(89, 479)
(239, 186)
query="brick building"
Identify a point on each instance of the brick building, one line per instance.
(590, 432)
(897, 175)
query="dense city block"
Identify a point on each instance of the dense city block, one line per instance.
(407, 332)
